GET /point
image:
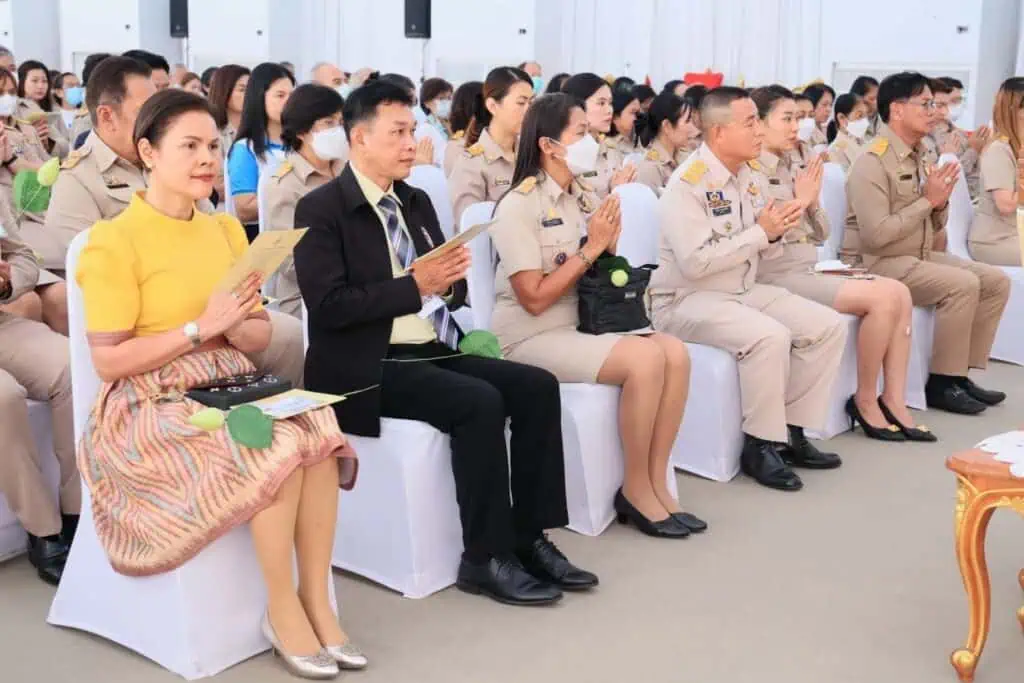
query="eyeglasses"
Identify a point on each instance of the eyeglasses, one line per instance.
(930, 105)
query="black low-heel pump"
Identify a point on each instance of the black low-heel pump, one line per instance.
(666, 528)
(891, 433)
(919, 433)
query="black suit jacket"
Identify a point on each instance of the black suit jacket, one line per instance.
(344, 272)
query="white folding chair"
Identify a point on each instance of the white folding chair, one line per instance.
(228, 202)
(590, 412)
(431, 180)
(196, 620)
(960, 217)
(267, 170)
(12, 536)
(833, 201)
(633, 158)
(428, 130)
(400, 525)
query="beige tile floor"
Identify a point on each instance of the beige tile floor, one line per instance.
(852, 580)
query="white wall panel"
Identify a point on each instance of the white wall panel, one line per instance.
(228, 31)
(31, 29)
(996, 53)
(87, 26)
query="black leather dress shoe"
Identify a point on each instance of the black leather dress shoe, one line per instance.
(987, 396)
(546, 562)
(802, 453)
(626, 513)
(692, 522)
(505, 580)
(48, 555)
(953, 399)
(761, 461)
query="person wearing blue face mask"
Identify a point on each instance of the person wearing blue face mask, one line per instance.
(536, 74)
(69, 119)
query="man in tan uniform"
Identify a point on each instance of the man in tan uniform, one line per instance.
(949, 101)
(98, 180)
(715, 228)
(900, 206)
(34, 363)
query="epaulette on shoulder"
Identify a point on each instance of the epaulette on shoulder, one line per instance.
(527, 186)
(695, 171)
(840, 144)
(652, 155)
(475, 150)
(458, 135)
(284, 169)
(75, 156)
(754, 164)
(879, 146)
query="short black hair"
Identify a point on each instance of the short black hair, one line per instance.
(207, 76)
(155, 61)
(362, 104)
(815, 91)
(401, 81)
(768, 96)
(940, 86)
(108, 82)
(671, 86)
(862, 84)
(163, 109)
(307, 104)
(802, 97)
(899, 87)
(952, 83)
(90, 64)
(556, 83)
(642, 92)
(718, 98)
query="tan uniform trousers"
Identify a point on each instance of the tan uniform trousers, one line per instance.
(285, 356)
(788, 350)
(34, 363)
(969, 299)
(1004, 253)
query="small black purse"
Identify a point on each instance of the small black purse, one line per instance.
(232, 391)
(605, 306)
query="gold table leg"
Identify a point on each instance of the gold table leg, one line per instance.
(1020, 612)
(972, 527)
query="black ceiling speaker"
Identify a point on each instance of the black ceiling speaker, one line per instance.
(179, 18)
(417, 18)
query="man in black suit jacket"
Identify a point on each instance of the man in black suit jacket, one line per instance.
(374, 321)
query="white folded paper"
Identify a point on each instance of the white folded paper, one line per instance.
(1007, 447)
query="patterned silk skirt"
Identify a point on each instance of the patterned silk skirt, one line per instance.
(162, 489)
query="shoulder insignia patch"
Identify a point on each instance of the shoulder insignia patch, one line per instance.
(475, 150)
(284, 169)
(1002, 138)
(695, 171)
(879, 146)
(527, 186)
(72, 160)
(458, 135)
(840, 144)
(754, 164)
(653, 155)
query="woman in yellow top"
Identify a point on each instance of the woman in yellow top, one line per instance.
(993, 235)
(163, 488)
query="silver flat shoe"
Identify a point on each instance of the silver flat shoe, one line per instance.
(320, 666)
(348, 656)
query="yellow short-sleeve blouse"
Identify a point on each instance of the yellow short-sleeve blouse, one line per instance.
(144, 273)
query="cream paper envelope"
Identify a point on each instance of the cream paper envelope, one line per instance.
(294, 402)
(459, 240)
(264, 256)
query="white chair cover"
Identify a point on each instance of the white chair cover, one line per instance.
(267, 171)
(12, 536)
(480, 278)
(833, 200)
(431, 180)
(961, 215)
(196, 620)
(227, 202)
(634, 158)
(425, 129)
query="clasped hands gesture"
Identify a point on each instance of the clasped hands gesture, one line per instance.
(940, 183)
(605, 224)
(226, 311)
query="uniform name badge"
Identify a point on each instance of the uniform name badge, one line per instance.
(498, 182)
(551, 220)
(717, 203)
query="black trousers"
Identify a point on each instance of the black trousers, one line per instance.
(469, 398)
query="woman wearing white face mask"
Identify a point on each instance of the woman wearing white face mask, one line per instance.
(804, 116)
(846, 132)
(822, 97)
(608, 171)
(436, 102)
(537, 234)
(312, 132)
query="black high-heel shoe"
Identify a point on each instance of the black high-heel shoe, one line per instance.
(918, 433)
(890, 433)
(666, 528)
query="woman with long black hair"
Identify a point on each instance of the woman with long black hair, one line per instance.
(668, 131)
(537, 234)
(609, 172)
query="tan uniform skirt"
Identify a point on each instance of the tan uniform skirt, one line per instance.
(569, 355)
(792, 271)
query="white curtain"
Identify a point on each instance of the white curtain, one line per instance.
(1020, 40)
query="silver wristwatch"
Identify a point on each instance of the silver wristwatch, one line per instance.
(191, 330)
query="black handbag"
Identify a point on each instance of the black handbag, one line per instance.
(232, 391)
(605, 308)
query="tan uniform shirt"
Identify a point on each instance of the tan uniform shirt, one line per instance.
(227, 138)
(24, 267)
(818, 138)
(64, 135)
(710, 240)
(27, 109)
(890, 216)
(656, 168)
(998, 172)
(801, 155)
(623, 145)
(452, 151)
(873, 123)
(776, 178)
(969, 159)
(290, 183)
(609, 161)
(538, 226)
(844, 150)
(482, 174)
(25, 143)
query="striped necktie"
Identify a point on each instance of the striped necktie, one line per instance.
(445, 327)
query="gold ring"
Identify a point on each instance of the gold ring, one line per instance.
(949, 181)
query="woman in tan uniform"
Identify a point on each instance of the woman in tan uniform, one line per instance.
(68, 118)
(463, 106)
(993, 236)
(847, 130)
(596, 96)
(822, 97)
(884, 305)
(316, 152)
(622, 136)
(668, 130)
(35, 103)
(537, 234)
(483, 173)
